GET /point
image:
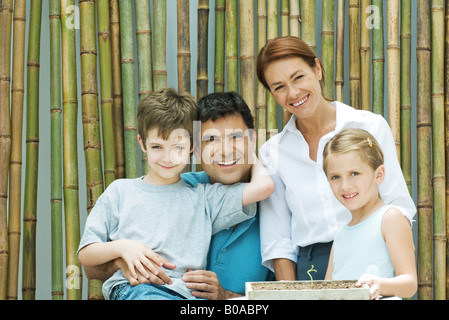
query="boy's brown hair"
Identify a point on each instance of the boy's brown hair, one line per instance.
(166, 110)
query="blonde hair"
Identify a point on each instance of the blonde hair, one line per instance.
(166, 110)
(354, 140)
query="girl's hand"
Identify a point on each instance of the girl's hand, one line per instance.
(374, 285)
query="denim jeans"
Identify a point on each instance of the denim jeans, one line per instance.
(146, 291)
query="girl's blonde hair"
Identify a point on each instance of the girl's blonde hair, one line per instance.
(353, 139)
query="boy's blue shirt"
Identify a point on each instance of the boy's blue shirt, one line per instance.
(234, 262)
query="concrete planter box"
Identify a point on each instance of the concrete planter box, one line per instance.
(305, 290)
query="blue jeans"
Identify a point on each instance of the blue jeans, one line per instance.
(146, 291)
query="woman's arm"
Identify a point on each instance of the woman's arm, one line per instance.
(330, 266)
(284, 269)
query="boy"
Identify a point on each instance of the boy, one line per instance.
(159, 211)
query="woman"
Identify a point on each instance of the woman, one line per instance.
(300, 219)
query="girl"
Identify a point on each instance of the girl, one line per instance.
(376, 246)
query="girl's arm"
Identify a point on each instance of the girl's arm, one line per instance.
(261, 185)
(398, 236)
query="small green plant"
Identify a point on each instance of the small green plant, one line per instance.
(308, 272)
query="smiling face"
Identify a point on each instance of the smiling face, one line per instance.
(166, 158)
(227, 147)
(353, 182)
(295, 85)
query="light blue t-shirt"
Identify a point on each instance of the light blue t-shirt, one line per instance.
(234, 253)
(175, 220)
(361, 249)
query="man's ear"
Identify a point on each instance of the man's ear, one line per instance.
(142, 145)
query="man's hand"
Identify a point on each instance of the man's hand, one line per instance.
(205, 284)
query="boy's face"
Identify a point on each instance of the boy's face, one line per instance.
(353, 182)
(166, 158)
(227, 149)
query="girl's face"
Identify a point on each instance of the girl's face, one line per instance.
(295, 85)
(166, 158)
(353, 182)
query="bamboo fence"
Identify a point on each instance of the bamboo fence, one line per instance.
(378, 37)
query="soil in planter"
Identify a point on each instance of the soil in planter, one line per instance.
(305, 285)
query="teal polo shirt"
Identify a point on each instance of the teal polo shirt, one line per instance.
(234, 253)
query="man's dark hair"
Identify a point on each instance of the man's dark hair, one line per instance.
(220, 104)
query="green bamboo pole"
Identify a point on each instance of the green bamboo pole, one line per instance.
(446, 77)
(219, 67)
(57, 257)
(15, 169)
(406, 160)
(378, 61)
(354, 55)
(247, 62)
(128, 87)
(32, 155)
(285, 31)
(438, 151)
(159, 55)
(327, 48)
(308, 23)
(90, 114)
(424, 142)
(394, 103)
(107, 114)
(117, 90)
(232, 82)
(184, 58)
(272, 32)
(70, 155)
(295, 19)
(203, 25)
(5, 136)
(339, 65)
(365, 59)
(261, 100)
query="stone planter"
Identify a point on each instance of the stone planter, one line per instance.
(305, 290)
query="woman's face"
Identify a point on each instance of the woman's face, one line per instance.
(295, 85)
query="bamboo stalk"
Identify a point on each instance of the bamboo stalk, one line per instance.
(105, 60)
(327, 45)
(57, 262)
(15, 169)
(32, 155)
(365, 59)
(394, 103)
(406, 161)
(378, 61)
(159, 55)
(272, 32)
(128, 87)
(308, 23)
(183, 9)
(220, 8)
(117, 90)
(424, 103)
(70, 156)
(285, 31)
(247, 63)
(203, 25)
(6, 10)
(339, 65)
(90, 113)
(354, 56)
(261, 100)
(438, 150)
(446, 76)
(295, 19)
(232, 82)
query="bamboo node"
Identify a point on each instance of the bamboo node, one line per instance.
(130, 128)
(261, 106)
(183, 54)
(127, 61)
(71, 187)
(55, 201)
(143, 32)
(92, 184)
(17, 90)
(327, 33)
(30, 219)
(160, 72)
(92, 92)
(220, 8)
(5, 79)
(104, 101)
(33, 64)
(53, 16)
(88, 52)
(32, 140)
(247, 57)
(56, 110)
(5, 136)
(232, 58)
(440, 237)
(145, 92)
(103, 34)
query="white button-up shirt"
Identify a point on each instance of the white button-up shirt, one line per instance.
(303, 210)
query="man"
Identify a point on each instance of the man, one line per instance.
(226, 151)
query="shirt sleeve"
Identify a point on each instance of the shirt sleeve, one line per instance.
(393, 189)
(275, 217)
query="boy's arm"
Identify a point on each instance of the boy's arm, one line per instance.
(261, 185)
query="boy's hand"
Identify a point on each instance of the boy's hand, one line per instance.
(141, 264)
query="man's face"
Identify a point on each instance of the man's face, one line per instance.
(227, 149)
